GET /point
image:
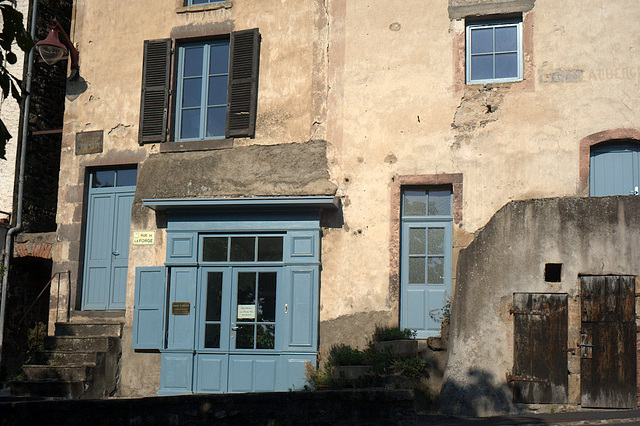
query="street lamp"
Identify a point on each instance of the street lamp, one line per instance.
(52, 50)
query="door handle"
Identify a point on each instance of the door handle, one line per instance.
(234, 327)
(115, 253)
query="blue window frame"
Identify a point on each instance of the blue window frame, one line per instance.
(494, 52)
(197, 2)
(202, 84)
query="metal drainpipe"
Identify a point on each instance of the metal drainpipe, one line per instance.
(23, 153)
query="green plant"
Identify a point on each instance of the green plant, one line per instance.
(36, 337)
(383, 334)
(345, 355)
(410, 367)
(442, 315)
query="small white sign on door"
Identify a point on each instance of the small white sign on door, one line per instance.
(246, 311)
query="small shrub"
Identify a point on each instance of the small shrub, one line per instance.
(442, 315)
(318, 378)
(345, 355)
(384, 334)
(410, 367)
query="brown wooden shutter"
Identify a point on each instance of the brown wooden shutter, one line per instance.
(154, 105)
(242, 98)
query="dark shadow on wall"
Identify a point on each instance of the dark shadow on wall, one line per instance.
(478, 396)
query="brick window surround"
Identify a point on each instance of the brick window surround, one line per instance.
(594, 139)
(397, 184)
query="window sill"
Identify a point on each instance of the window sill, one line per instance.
(494, 84)
(196, 145)
(202, 7)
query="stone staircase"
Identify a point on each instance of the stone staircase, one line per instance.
(79, 362)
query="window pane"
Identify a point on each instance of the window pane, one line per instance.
(269, 249)
(482, 40)
(417, 241)
(243, 249)
(219, 59)
(506, 65)
(217, 90)
(214, 296)
(266, 337)
(481, 67)
(416, 270)
(126, 177)
(436, 270)
(216, 120)
(439, 203)
(415, 203)
(103, 179)
(214, 249)
(506, 38)
(191, 92)
(246, 288)
(190, 124)
(193, 61)
(244, 336)
(267, 296)
(212, 336)
(436, 240)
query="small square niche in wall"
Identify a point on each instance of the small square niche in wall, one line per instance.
(553, 272)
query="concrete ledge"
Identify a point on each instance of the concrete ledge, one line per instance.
(325, 407)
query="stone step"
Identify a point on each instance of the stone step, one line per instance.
(66, 357)
(48, 388)
(67, 373)
(80, 344)
(83, 329)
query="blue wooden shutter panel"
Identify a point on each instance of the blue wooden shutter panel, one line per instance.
(154, 104)
(242, 97)
(148, 308)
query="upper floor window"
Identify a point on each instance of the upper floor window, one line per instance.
(216, 88)
(201, 107)
(494, 51)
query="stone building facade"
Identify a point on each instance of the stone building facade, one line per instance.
(245, 183)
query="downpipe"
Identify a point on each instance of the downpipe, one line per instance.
(23, 153)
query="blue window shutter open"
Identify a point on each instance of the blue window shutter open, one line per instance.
(243, 83)
(148, 309)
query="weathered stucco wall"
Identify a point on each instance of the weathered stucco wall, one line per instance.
(597, 236)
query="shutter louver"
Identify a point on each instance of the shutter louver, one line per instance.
(154, 105)
(243, 83)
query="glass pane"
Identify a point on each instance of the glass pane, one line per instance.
(216, 120)
(415, 203)
(269, 249)
(194, 2)
(214, 296)
(481, 67)
(215, 249)
(219, 59)
(191, 92)
(506, 39)
(266, 336)
(190, 124)
(103, 179)
(439, 203)
(416, 270)
(126, 177)
(507, 65)
(217, 90)
(193, 61)
(246, 288)
(482, 40)
(436, 270)
(267, 296)
(212, 336)
(244, 336)
(243, 249)
(417, 240)
(436, 240)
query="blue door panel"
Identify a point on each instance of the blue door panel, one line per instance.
(120, 252)
(415, 309)
(149, 312)
(292, 371)
(265, 374)
(118, 287)
(181, 327)
(176, 373)
(240, 373)
(435, 302)
(211, 373)
(252, 373)
(301, 320)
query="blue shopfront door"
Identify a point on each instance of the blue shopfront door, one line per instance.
(110, 198)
